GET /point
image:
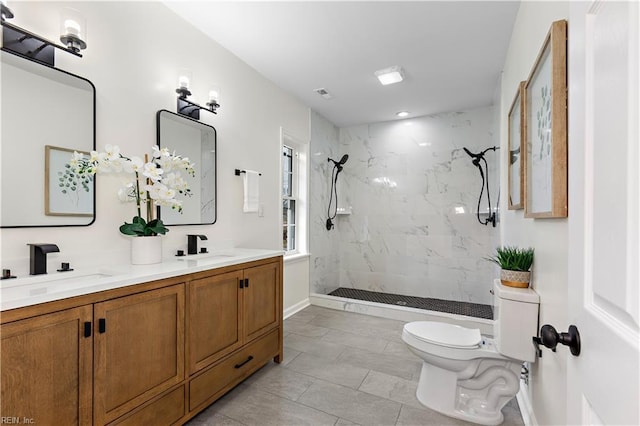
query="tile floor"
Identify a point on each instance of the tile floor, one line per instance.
(340, 368)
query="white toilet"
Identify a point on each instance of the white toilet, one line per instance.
(470, 376)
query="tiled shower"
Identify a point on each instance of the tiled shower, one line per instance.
(410, 195)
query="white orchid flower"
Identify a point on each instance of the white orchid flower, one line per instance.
(159, 153)
(112, 151)
(127, 192)
(133, 165)
(98, 157)
(152, 171)
(160, 192)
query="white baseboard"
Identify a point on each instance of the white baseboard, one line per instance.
(296, 308)
(528, 417)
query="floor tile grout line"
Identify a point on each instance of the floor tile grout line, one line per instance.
(362, 381)
(347, 387)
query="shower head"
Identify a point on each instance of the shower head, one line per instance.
(338, 164)
(341, 162)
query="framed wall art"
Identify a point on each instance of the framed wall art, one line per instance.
(546, 129)
(515, 159)
(65, 194)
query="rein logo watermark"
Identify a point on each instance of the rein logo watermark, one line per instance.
(16, 420)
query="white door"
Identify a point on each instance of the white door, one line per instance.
(604, 232)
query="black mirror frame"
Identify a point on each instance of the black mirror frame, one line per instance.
(215, 171)
(93, 87)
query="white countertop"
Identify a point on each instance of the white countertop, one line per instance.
(32, 290)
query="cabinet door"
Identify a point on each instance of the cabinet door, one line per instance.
(214, 318)
(46, 368)
(139, 349)
(262, 307)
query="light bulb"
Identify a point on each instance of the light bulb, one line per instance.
(183, 82)
(71, 27)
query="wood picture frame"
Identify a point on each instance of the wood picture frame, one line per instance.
(546, 129)
(516, 146)
(77, 202)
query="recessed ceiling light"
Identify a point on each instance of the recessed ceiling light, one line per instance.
(402, 113)
(390, 75)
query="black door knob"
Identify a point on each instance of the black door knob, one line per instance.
(550, 338)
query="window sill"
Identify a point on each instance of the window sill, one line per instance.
(296, 257)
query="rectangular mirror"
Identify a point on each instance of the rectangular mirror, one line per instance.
(47, 114)
(197, 141)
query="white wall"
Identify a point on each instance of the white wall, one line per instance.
(323, 244)
(135, 50)
(296, 285)
(547, 236)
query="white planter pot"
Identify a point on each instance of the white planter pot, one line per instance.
(146, 250)
(519, 279)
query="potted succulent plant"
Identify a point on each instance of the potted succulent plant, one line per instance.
(516, 265)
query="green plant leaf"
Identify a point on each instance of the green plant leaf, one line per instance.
(140, 227)
(513, 258)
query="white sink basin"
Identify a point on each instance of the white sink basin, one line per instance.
(47, 284)
(206, 258)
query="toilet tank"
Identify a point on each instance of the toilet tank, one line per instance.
(516, 321)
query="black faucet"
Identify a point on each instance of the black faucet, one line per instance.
(192, 243)
(38, 257)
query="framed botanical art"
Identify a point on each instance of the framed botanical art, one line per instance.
(65, 193)
(546, 129)
(515, 164)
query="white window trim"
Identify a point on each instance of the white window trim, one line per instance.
(300, 189)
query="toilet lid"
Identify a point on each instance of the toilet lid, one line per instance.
(444, 334)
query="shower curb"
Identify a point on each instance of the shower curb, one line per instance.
(400, 313)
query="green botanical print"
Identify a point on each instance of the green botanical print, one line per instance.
(544, 122)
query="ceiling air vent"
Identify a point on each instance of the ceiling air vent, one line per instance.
(324, 93)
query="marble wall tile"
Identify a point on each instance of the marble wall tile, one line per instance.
(414, 194)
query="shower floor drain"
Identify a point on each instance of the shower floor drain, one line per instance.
(449, 306)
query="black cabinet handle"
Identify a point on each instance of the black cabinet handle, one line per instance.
(87, 329)
(246, 282)
(102, 325)
(244, 362)
(241, 283)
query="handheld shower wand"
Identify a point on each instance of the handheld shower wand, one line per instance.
(477, 158)
(337, 168)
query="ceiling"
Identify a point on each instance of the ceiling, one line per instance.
(452, 52)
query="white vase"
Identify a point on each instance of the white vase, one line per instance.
(146, 250)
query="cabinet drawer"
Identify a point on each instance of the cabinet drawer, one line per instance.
(232, 369)
(167, 409)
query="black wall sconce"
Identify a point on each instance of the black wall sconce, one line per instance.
(37, 48)
(192, 109)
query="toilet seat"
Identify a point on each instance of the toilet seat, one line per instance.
(444, 334)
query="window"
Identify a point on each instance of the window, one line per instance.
(289, 198)
(295, 189)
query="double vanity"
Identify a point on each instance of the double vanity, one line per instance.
(151, 344)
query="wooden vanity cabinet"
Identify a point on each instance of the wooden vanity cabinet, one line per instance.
(215, 324)
(234, 328)
(46, 368)
(227, 311)
(139, 350)
(151, 353)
